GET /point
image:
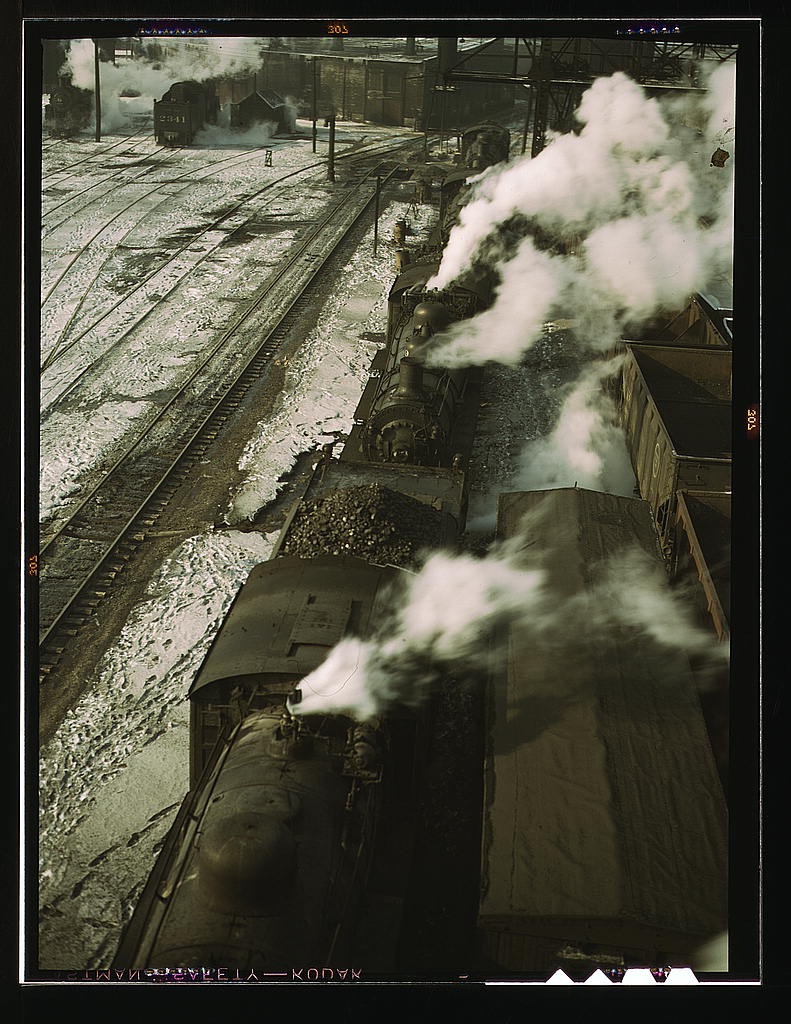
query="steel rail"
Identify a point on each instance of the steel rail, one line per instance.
(57, 351)
(105, 556)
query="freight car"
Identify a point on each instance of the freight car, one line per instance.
(702, 323)
(703, 330)
(69, 110)
(183, 110)
(605, 829)
(676, 412)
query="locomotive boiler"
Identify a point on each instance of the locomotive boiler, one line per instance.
(409, 413)
(269, 859)
(69, 110)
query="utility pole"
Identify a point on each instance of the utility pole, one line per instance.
(528, 115)
(542, 88)
(331, 160)
(314, 104)
(376, 211)
(96, 93)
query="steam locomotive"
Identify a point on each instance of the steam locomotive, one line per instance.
(268, 858)
(293, 823)
(69, 110)
(183, 110)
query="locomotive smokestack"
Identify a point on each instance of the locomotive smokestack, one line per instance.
(410, 377)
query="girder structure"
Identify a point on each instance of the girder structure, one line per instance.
(560, 69)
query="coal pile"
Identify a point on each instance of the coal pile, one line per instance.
(370, 521)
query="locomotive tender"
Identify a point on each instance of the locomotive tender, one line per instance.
(183, 110)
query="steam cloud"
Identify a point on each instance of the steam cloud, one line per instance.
(645, 216)
(645, 221)
(587, 446)
(446, 617)
(152, 77)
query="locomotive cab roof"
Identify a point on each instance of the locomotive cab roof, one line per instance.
(288, 615)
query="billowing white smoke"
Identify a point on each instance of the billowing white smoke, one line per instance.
(222, 134)
(626, 194)
(632, 590)
(587, 446)
(292, 113)
(183, 61)
(447, 615)
(441, 622)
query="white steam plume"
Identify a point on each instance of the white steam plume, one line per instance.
(257, 134)
(649, 219)
(151, 78)
(446, 616)
(587, 446)
(441, 623)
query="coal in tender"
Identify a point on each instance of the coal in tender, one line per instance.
(369, 521)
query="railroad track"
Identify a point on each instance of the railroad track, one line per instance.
(59, 347)
(115, 177)
(80, 562)
(92, 156)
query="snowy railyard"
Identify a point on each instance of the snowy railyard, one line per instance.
(142, 271)
(116, 768)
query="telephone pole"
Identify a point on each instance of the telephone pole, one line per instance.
(96, 93)
(314, 104)
(331, 159)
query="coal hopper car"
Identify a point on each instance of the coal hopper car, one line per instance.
(676, 413)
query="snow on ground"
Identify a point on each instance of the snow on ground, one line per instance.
(117, 769)
(157, 354)
(325, 378)
(69, 443)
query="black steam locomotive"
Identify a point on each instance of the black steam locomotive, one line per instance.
(184, 109)
(267, 861)
(69, 110)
